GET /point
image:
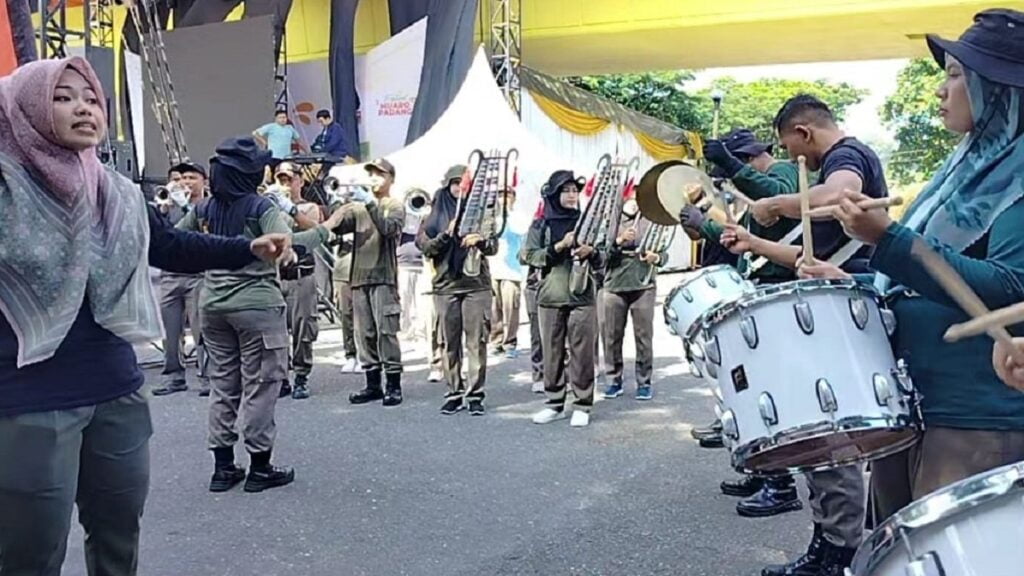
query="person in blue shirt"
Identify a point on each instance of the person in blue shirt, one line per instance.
(970, 215)
(330, 140)
(278, 136)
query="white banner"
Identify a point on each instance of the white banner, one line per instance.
(133, 73)
(309, 90)
(392, 83)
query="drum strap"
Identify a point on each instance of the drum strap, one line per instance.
(845, 253)
(789, 238)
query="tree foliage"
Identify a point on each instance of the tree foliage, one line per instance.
(911, 113)
(657, 94)
(752, 105)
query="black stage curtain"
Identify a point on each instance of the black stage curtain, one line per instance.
(446, 59)
(22, 31)
(404, 12)
(341, 62)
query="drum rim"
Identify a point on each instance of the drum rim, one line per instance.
(817, 429)
(769, 292)
(938, 506)
(699, 273)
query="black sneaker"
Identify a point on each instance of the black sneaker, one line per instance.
(777, 496)
(286, 389)
(452, 405)
(745, 487)
(300, 392)
(226, 478)
(204, 393)
(269, 477)
(170, 388)
(476, 407)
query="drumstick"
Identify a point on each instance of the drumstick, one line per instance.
(962, 294)
(1003, 317)
(872, 204)
(805, 212)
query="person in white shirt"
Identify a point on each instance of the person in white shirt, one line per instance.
(507, 276)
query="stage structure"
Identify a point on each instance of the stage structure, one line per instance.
(506, 49)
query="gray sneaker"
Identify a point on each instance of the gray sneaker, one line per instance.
(170, 388)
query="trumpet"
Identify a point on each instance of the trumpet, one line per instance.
(171, 194)
(417, 203)
(342, 192)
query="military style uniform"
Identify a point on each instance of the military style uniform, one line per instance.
(179, 300)
(629, 290)
(376, 229)
(299, 287)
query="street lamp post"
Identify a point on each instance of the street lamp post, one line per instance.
(716, 98)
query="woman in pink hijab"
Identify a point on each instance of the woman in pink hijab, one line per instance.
(76, 243)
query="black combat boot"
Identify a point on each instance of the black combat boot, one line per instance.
(286, 389)
(835, 559)
(263, 475)
(225, 474)
(372, 392)
(807, 565)
(714, 429)
(393, 395)
(777, 496)
(746, 486)
(301, 390)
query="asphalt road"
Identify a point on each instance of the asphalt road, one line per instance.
(407, 491)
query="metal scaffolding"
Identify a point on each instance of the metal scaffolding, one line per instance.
(53, 30)
(505, 47)
(281, 75)
(100, 15)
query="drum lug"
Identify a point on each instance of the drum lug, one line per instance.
(804, 317)
(883, 390)
(766, 405)
(889, 321)
(826, 397)
(670, 320)
(711, 350)
(736, 275)
(687, 295)
(749, 329)
(902, 376)
(928, 564)
(711, 281)
(729, 427)
(859, 311)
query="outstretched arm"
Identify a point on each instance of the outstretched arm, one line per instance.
(191, 252)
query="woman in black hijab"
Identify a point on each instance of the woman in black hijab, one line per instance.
(463, 302)
(564, 317)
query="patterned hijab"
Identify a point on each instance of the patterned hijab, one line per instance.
(69, 230)
(982, 177)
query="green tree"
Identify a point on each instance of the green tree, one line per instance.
(657, 94)
(753, 105)
(922, 143)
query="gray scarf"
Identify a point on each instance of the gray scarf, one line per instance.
(53, 255)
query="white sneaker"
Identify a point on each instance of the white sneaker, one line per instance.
(579, 419)
(538, 387)
(435, 376)
(548, 415)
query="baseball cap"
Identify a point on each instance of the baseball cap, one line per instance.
(381, 165)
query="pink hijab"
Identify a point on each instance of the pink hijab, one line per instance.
(27, 134)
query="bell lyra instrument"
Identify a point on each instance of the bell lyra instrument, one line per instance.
(477, 212)
(600, 219)
(656, 239)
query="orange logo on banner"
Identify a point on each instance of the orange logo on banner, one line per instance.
(8, 61)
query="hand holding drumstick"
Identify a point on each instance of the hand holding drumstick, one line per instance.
(1008, 358)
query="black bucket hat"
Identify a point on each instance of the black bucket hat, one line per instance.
(742, 142)
(242, 154)
(560, 178)
(993, 46)
(189, 166)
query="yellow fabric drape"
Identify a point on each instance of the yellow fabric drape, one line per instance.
(696, 144)
(572, 120)
(659, 149)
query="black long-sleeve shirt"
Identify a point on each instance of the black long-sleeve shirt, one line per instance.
(93, 366)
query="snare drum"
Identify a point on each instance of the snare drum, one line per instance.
(972, 528)
(696, 295)
(807, 377)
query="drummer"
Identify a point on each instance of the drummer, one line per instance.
(972, 208)
(807, 128)
(749, 164)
